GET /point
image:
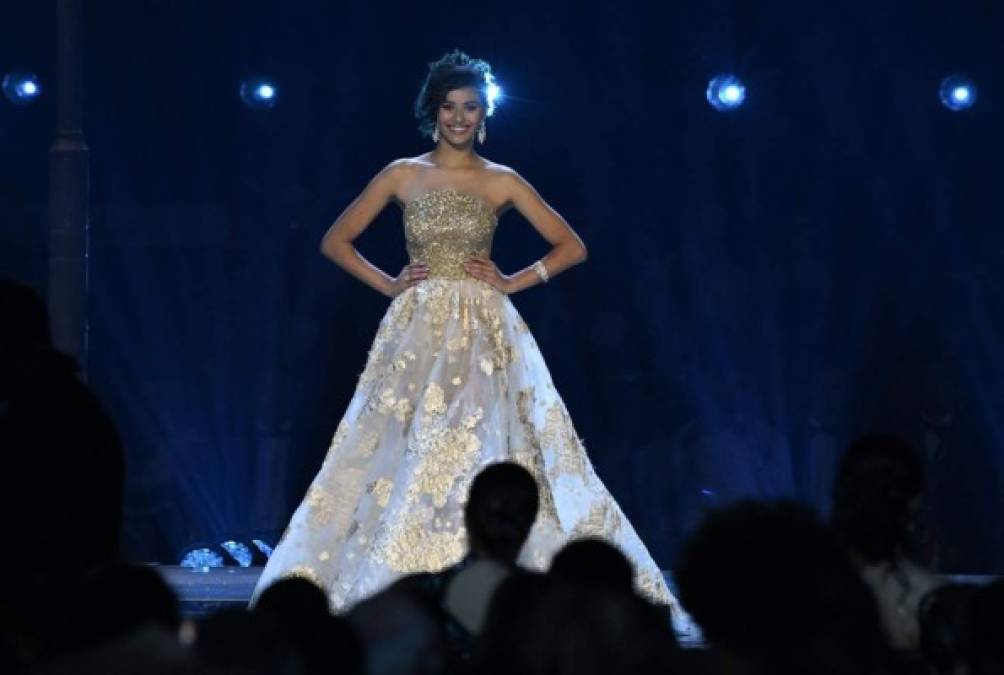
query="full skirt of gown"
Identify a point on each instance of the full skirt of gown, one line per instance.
(454, 381)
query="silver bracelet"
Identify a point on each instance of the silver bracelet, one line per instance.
(541, 271)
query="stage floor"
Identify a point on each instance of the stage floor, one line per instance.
(203, 592)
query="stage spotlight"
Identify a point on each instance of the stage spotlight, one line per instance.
(263, 547)
(726, 92)
(202, 558)
(239, 551)
(957, 92)
(493, 93)
(259, 93)
(21, 88)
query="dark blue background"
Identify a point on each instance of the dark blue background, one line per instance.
(762, 286)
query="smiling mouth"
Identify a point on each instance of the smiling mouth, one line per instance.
(458, 130)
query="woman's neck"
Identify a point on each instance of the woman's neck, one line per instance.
(448, 157)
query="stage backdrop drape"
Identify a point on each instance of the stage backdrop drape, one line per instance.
(762, 285)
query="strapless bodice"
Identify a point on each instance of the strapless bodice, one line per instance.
(443, 228)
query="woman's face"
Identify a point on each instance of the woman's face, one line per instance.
(460, 115)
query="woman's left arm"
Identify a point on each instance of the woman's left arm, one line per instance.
(567, 248)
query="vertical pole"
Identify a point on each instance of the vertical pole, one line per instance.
(69, 184)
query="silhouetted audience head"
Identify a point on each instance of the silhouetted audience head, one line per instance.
(24, 330)
(877, 497)
(594, 563)
(501, 508)
(117, 599)
(769, 581)
(25, 318)
(400, 632)
(541, 624)
(293, 599)
(301, 612)
(145, 651)
(238, 642)
(69, 469)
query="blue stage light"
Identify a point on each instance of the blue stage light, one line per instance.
(263, 546)
(493, 93)
(726, 92)
(957, 92)
(259, 93)
(202, 558)
(239, 551)
(21, 88)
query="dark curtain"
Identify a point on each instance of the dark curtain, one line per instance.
(763, 285)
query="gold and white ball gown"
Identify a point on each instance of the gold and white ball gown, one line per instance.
(454, 381)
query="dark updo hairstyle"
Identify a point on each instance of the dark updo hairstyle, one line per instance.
(456, 70)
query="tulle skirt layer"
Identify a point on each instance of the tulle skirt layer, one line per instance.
(454, 381)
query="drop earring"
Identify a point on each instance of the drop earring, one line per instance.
(435, 135)
(482, 134)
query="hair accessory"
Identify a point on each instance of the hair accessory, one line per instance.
(541, 271)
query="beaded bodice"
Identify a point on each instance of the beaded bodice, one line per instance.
(443, 228)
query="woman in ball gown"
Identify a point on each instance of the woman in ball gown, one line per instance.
(454, 379)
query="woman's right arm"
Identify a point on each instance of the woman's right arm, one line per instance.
(357, 216)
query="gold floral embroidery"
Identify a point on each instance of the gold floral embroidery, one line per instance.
(402, 317)
(487, 366)
(418, 545)
(531, 457)
(403, 410)
(369, 444)
(340, 433)
(653, 588)
(436, 299)
(387, 401)
(435, 400)
(559, 434)
(603, 520)
(304, 572)
(321, 507)
(446, 454)
(381, 489)
(397, 319)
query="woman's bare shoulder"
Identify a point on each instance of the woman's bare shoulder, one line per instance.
(402, 173)
(501, 182)
(496, 170)
(409, 165)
